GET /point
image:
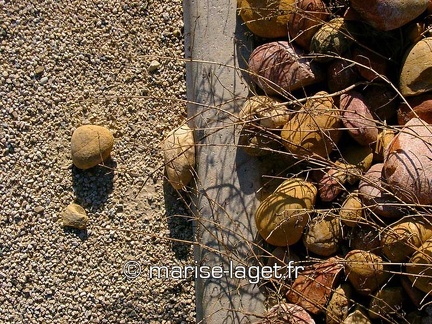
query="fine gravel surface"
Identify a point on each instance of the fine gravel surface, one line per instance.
(112, 63)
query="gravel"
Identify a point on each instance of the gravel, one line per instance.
(116, 64)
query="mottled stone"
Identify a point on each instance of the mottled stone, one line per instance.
(279, 66)
(408, 165)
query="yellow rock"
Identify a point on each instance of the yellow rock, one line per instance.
(282, 216)
(267, 18)
(365, 271)
(400, 239)
(314, 129)
(419, 268)
(74, 216)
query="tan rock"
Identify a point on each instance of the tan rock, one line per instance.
(179, 156)
(400, 239)
(351, 212)
(357, 317)
(265, 111)
(416, 74)
(338, 306)
(75, 216)
(323, 235)
(419, 268)
(90, 145)
(314, 129)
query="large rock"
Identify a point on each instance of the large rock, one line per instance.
(75, 216)
(90, 145)
(314, 129)
(279, 66)
(282, 216)
(416, 74)
(408, 165)
(389, 14)
(179, 156)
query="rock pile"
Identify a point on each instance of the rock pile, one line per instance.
(352, 86)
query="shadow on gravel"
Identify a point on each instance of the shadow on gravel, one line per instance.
(82, 234)
(179, 221)
(93, 186)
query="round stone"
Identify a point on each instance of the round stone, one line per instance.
(90, 145)
(416, 74)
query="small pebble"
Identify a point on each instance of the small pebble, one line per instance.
(75, 216)
(154, 65)
(39, 209)
(43, 80)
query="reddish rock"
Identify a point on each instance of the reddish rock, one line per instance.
(306, 20)
(313, 287)
(376, 196)
(279, 66)
(421, 107)
(370, 65)
(331, 184)
(382, 101)
(357, 118)
(389, 14)
(408, 164)
(340, 75)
